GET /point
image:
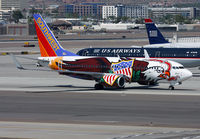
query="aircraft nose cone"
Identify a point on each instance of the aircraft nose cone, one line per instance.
(187, 74)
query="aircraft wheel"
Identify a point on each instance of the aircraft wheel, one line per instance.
(171, 87)
(98, 86)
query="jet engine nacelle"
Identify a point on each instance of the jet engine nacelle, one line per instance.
(119, 83)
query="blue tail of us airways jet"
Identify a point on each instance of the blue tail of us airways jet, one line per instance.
(154, 35)
(49, 46)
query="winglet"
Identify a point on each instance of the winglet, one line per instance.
(146, 55)
(18, 65)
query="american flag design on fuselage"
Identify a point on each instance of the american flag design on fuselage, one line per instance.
(110, 79)
(123, 67)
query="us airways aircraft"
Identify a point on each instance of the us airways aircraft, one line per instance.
(106, 71)
(189, 57)
(187, 54)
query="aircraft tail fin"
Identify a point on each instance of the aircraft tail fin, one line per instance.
(49, 46)
(154, 35)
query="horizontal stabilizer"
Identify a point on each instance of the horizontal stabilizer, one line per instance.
(18, 65)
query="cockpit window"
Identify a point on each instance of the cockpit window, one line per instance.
(180, 67)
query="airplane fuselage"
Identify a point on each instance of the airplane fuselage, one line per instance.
(143, 71)
(189, 57)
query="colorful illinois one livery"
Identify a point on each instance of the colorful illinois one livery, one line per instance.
(49, 46)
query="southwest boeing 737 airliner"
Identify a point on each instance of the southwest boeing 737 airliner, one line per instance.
(112, 72)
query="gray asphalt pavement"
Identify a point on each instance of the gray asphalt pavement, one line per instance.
(73, 107)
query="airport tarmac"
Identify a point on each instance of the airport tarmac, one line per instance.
(47, 105)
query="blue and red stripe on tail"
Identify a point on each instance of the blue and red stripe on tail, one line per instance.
(154, 35)
(49, 46)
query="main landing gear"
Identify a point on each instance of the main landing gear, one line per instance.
(98, 86)
(171, 87)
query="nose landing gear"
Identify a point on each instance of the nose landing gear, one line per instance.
(171, 87)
